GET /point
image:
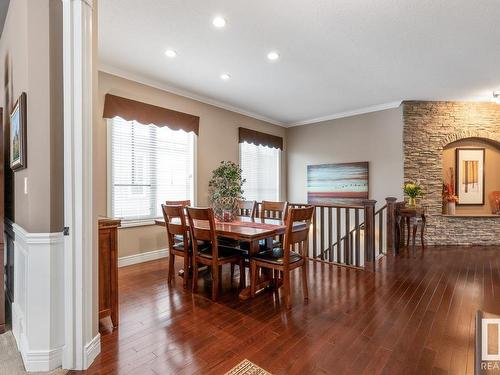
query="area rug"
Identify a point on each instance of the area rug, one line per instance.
(10, 359)
(247, 368)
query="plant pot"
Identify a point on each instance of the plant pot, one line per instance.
(450, 208)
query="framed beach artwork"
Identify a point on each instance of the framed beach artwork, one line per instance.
(344, 183)
(18, 134)
(470, 175)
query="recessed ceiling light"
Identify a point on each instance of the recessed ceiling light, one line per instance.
(170, 53)
(225, 76)
(273, 55)
(219, 22)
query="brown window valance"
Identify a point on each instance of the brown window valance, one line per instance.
(258, 138)
(143, 113)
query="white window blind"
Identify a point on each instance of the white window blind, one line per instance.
(149, 165)
(261, 169)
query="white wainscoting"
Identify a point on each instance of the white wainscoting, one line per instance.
(38, 307)
(142, 257)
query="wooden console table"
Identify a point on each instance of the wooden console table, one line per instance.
(409, 217)
(108, 269)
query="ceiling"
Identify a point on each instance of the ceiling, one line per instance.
(337, 57)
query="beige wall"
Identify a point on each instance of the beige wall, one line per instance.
(31, 62)
(491, 172)
(374, 137)
(217, 141)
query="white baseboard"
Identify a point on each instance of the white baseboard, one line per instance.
(143, 257)
(92, 350)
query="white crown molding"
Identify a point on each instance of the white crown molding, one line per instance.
(92, 350)
(184, 93)
(141, 258)
(354, 112)
(203, 99)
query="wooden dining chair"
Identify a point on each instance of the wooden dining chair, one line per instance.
(178, 241)
(206, 249)
(289, 257)
(273, 210)
(247, 208)
(184, 203)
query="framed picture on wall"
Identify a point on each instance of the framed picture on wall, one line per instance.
(18, 134)
(344, 183)
(470, 175)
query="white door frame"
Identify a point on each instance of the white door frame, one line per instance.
(81, 346)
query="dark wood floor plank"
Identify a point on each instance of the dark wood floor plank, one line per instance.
(414, 315)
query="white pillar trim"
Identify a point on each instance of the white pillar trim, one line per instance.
(77, 24)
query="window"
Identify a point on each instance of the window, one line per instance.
(148, 166)
(261, 169)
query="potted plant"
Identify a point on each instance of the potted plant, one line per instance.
(413, 190)
(225, 190)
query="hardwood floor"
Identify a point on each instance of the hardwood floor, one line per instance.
(414, 315)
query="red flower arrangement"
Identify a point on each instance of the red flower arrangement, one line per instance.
(449, 190)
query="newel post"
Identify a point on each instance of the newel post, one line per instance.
(369, 234)
(391, 224)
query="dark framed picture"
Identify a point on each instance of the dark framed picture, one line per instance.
(18, 134)
(470, 176)
(344, 183)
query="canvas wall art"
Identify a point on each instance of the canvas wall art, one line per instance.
(18, 134)
(344, 183)
(470, 175)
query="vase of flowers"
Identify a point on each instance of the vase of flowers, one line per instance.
(413, 191)
(225, 190)
(449, 198)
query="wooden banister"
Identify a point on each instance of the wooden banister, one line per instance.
(350, 235)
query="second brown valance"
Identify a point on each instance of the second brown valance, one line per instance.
(144, 113)
(258, 138)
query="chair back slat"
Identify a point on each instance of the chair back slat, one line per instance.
(202, 227)
(273, 210)
(175, 223)
(247, 208)
(297, 236)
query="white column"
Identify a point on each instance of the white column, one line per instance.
(81, 343)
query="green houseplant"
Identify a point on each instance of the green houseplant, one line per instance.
(225, 190)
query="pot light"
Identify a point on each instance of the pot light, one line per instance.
(170, 53)
(219, 22)
(225, 76)
(273, 55)
(496, 97)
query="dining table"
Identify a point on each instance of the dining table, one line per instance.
(252, 231)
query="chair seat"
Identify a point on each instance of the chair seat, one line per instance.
(275, 256)
(224, 252)
(180, 246)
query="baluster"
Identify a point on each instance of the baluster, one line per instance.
(315, 232)
(339, 236)
(347, 242)
(358, 234)
(330, 240)
(380, 232)
(322, 239)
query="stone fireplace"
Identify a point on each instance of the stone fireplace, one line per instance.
(429, 127)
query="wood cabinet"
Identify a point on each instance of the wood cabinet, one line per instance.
(108, 269)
